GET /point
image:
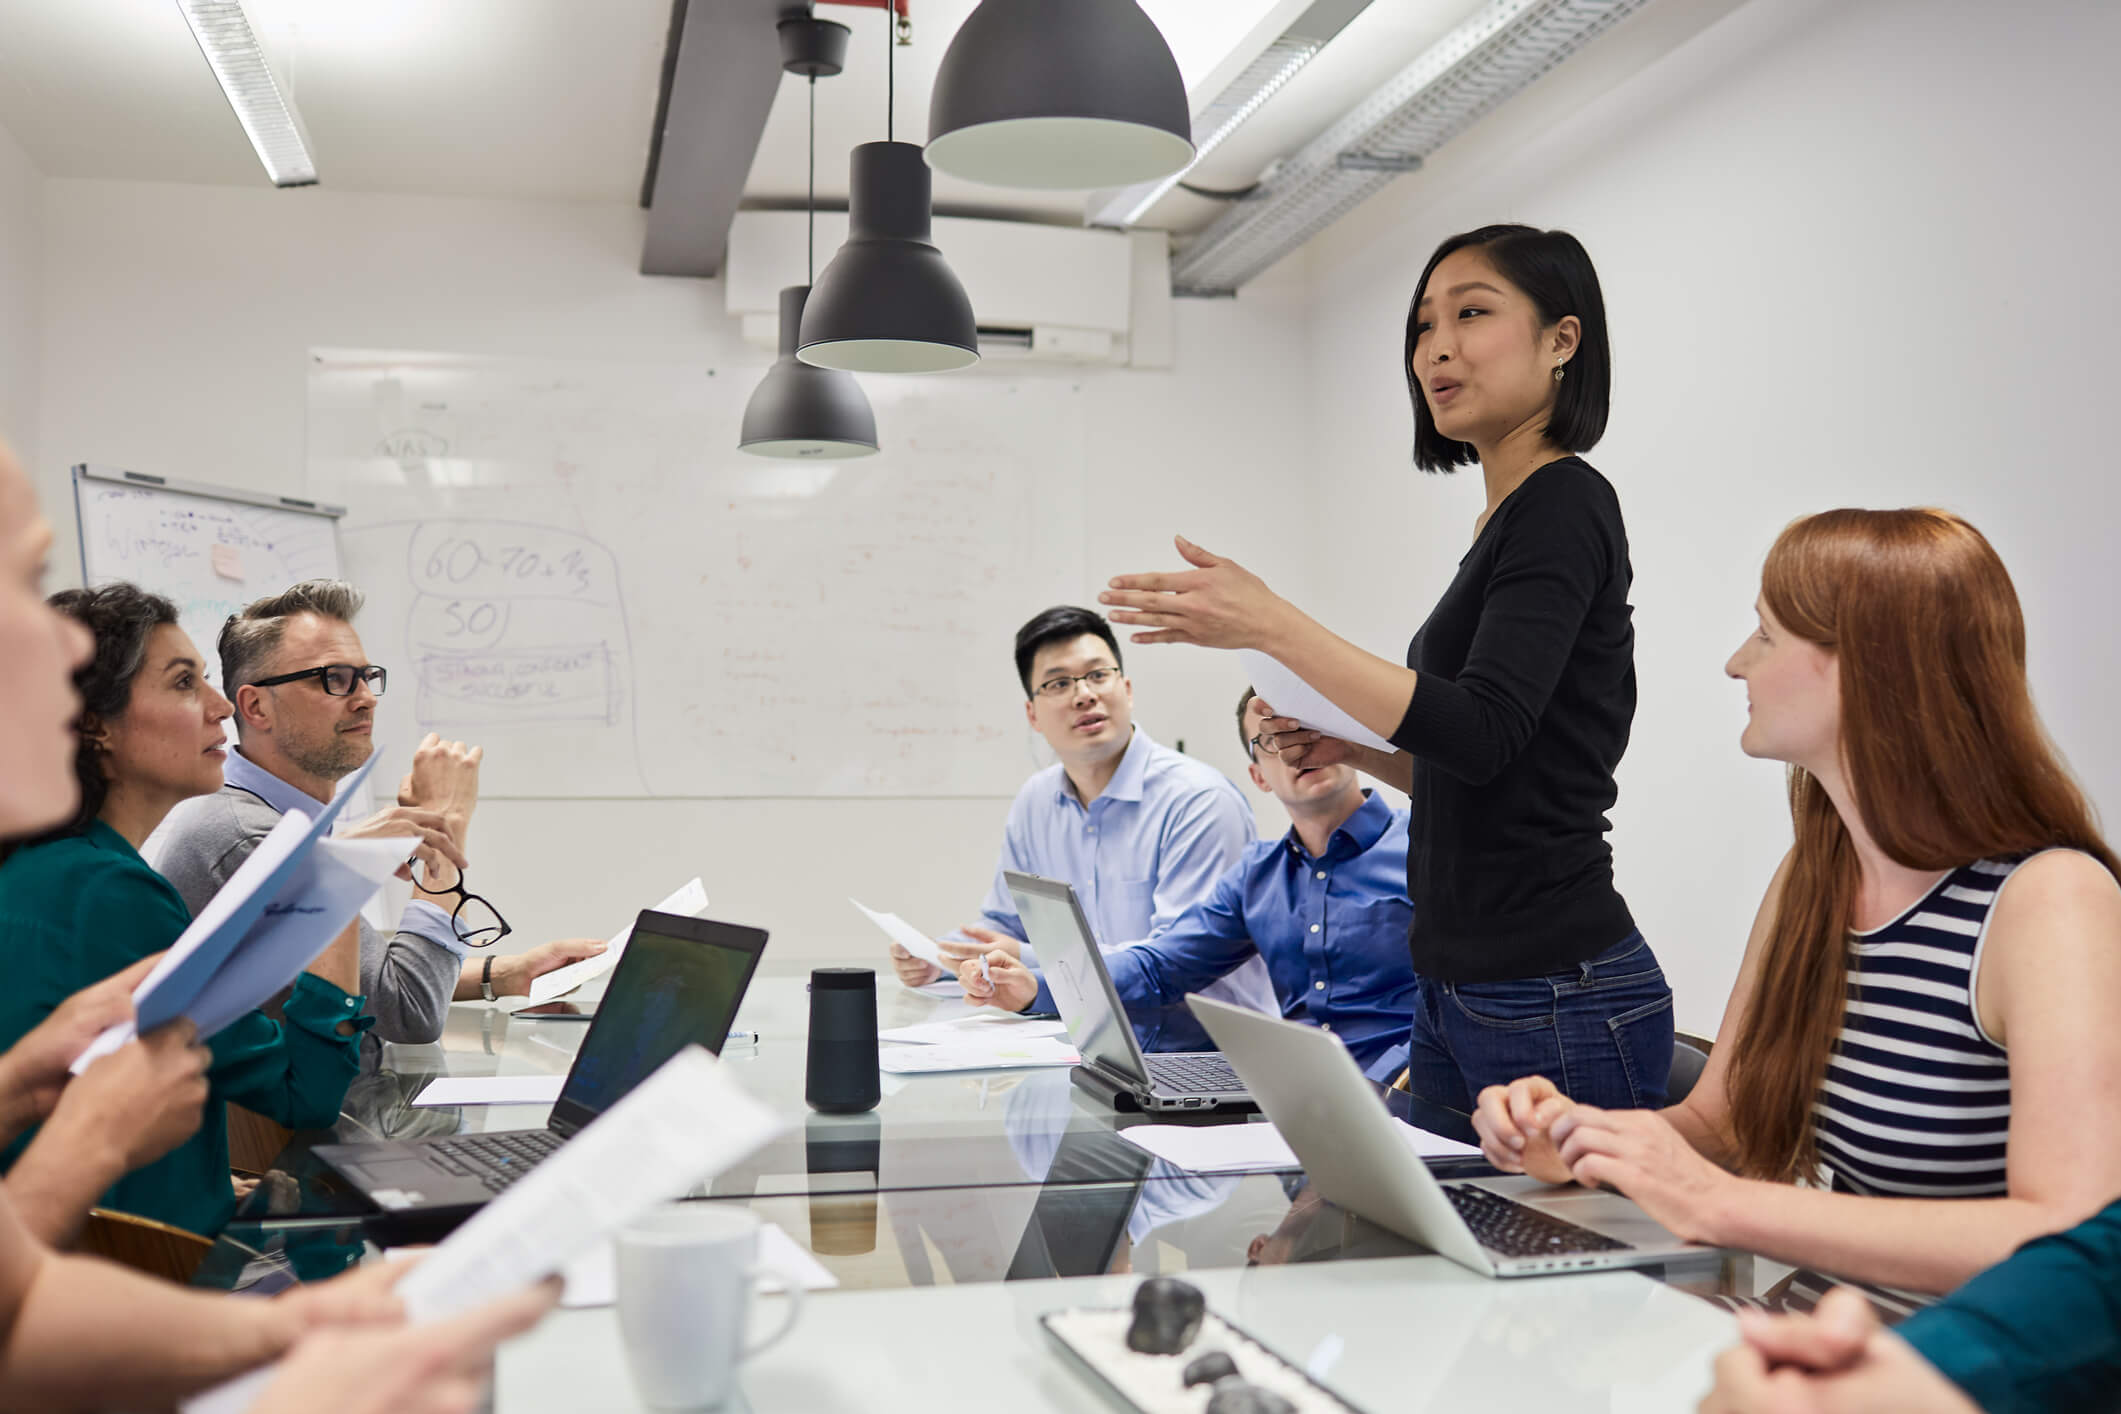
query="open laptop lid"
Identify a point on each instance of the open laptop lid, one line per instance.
(1075, 972)
(679, 984)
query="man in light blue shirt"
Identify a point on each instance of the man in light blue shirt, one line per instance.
(1325, 905)
(1140, 830)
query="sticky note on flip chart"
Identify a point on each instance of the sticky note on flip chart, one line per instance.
(227, 561)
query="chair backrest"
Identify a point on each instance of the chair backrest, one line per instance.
(254, 1141)
(143, 1244)
(1690, 1056)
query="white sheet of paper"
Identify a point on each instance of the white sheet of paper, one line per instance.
(593, 1279)
(673, 1131)
(1254, 1148)
(912, 939)
(1016, 1055)
(1290, 696)
(947, 989)
(981, 1028)
(687, 901)
(491, 1090)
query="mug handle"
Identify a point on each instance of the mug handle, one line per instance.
(794, 1288)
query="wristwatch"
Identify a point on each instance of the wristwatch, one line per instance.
(486, 980)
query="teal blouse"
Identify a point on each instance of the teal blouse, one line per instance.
(72, 912)
(2040, 1330)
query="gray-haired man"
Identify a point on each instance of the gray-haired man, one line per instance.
(305, 698)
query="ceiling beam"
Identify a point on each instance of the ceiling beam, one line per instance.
(716, 99)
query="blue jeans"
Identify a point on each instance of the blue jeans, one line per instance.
(1602, 1031)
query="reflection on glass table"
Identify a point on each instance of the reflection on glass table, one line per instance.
(986, 1129)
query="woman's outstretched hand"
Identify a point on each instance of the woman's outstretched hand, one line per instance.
(1216, 604)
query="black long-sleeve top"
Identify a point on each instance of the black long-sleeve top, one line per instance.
(1521, 710)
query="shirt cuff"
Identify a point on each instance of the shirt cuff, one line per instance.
(320, 1008)
(1029, 958)
(423, 920)
(1385, 1069)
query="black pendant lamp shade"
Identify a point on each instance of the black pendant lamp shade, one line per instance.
(805, 413)
(887, 303)
(1059, 94)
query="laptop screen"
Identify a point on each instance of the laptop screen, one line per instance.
(1075, 972)
(679, 984)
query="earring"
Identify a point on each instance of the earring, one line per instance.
(1557, 373)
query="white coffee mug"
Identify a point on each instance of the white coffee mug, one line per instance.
(685, 1277)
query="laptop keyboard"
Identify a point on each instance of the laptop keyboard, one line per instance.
(1193, 1073)
(1507, 1226)
(495, 1160)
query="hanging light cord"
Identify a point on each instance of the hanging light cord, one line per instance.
(810, 257)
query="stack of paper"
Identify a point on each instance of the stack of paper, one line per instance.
(687, 902)
(490, 1090)
(979, 1028)
(1258, 1148)
(1016, 1055)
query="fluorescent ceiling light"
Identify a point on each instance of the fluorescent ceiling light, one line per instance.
(268, 119)
(1505, 47)
(1259, 81)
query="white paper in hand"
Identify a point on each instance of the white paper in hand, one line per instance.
(912, 939)
(1290, 696)
(687, 901)
(678, 1128)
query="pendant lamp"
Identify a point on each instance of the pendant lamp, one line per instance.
(1059, 94)
(887, 302)
(798, 411)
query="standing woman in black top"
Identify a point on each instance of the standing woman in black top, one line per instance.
(1514, 707)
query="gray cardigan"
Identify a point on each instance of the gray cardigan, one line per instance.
(409, 979)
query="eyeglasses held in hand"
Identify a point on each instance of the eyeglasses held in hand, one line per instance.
(338, 678)
(476, 922)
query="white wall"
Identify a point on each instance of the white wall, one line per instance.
(177, 325)
(1853, 254)
(21, 249)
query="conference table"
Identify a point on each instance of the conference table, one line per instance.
(967, 1205)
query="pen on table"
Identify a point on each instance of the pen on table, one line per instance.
(741, 1038)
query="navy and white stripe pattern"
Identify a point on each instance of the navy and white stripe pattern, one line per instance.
(1917, 1098)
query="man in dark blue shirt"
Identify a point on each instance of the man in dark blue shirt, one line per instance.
(1325, 905)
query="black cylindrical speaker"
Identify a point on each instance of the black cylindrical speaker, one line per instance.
(842, 1078)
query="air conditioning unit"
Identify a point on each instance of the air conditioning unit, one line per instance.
(1051, 293)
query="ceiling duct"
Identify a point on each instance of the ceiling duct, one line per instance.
(1500, 51)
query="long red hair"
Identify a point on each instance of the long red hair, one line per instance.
(1946, 762)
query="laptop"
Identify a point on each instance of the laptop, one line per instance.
(1113, 1066)
(679, 983)
(1356, 1156)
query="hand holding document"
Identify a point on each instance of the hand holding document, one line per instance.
(913, 940)
(687, 901)
(675, 1130)
(1258, 1148)
(297, 891)
(1290, 696)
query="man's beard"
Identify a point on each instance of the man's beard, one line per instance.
(333, 757)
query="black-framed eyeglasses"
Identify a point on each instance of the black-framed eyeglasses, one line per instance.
(1098, 679)
(1252, 747)
(338, 678)
(475, 921)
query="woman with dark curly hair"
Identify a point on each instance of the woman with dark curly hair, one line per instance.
(79, 903)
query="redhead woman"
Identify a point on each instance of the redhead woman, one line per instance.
(1925, 1022)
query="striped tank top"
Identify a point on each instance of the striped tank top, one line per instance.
(1917, 1097)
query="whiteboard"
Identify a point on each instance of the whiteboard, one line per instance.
(211, 549)
(571, 564)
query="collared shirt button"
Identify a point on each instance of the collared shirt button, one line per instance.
(1319, 875)
(1325, 1026)
(1319, 985)
(1314, 927)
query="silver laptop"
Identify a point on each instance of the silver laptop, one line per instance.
(1356, 1155)
(1113, 1064)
